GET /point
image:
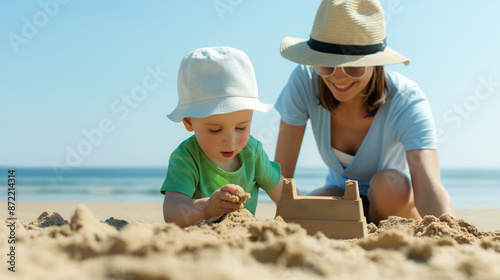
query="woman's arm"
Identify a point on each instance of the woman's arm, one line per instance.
(288, 147)
(431, 198)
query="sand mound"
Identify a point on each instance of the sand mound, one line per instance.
(238, 245)
(46, 219)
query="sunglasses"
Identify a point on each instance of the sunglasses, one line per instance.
(352, 72)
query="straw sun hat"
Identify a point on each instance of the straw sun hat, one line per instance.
(345, 33)
(216, 80)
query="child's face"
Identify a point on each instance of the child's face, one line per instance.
(222, 136)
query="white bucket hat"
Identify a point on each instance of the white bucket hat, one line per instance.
(216, 80)
(345, 33)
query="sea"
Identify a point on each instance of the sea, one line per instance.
(469, 189)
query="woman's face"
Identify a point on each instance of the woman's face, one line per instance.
(347, 89)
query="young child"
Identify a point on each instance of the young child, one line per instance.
(210, 172)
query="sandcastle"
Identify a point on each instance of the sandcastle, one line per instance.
(336, 217)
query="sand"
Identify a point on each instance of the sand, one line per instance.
(81, 246)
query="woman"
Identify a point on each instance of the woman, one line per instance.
(370, 125)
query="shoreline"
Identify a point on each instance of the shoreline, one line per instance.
(151, 212)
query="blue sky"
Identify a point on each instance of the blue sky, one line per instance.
(89, 83)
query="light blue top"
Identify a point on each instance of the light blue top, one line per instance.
(404, 122)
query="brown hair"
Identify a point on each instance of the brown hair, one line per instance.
(375, 96)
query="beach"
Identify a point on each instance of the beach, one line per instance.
(151, 212)
(129, 240)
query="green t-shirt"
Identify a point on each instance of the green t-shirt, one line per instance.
(190, 172)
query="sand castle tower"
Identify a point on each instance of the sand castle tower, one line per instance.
(336, 217)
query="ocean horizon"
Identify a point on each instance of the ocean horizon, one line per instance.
(469, 188)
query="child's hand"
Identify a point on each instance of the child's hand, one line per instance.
(227, 199)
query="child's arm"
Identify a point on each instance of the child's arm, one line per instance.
(275, 193)
(184, 211)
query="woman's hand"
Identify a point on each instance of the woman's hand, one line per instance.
(431, 198)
